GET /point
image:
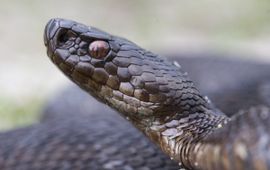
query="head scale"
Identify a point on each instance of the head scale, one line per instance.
(132, 80)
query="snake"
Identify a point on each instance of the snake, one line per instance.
(77, 132)
(72, 103)
(159, 99)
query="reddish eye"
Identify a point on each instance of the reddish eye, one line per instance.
(99, 49)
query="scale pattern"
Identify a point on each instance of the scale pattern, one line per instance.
(154, 94)
(72, 144)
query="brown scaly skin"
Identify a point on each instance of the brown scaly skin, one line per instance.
(157, 97)
(89, 142)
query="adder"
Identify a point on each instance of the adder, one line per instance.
(78, 133)
(159, 99)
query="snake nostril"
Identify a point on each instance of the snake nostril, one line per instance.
(63, 38)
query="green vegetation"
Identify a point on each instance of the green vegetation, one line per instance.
(14, 114)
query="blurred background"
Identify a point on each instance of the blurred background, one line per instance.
(28, 78)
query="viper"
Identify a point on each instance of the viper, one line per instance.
(158, 98)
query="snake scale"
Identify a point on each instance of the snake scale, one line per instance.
(84, 137)
(73, 102)
(159, 99)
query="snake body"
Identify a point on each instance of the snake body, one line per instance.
(81, 137)
(74, 103)
(159, 99)
(78, 144)
(77, 132)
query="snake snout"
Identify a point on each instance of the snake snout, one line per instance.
(55, 32)
(50, 31)
(61, 37)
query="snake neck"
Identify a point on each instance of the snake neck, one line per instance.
(181, 136)
(155, 95)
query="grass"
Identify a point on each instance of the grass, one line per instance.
(18, 114)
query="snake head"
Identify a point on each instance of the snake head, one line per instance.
(134, 81)
(65, 38)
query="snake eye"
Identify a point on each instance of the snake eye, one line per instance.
(99, 49)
